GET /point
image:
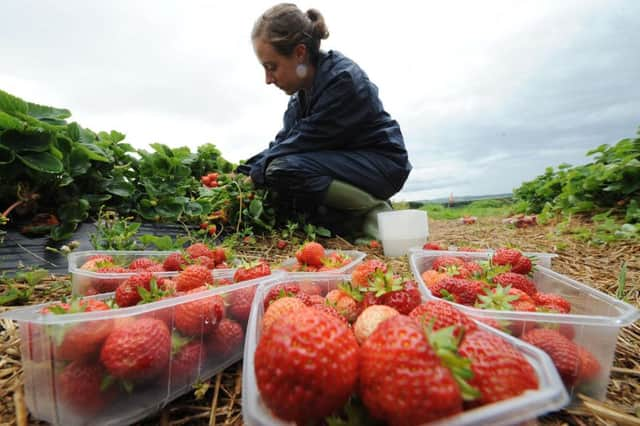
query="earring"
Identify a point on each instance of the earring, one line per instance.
(301, 70)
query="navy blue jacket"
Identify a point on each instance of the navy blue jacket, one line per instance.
(343, 113)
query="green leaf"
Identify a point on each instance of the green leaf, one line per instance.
(63, 231)
(255, 208)
(9, 122)
(6, 155)
(26, 140)
(42, 162)
(12, 104)
(79, 161)
(95, 153)
(74, 211)
(119, 186)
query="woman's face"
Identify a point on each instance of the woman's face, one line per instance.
(279, 70)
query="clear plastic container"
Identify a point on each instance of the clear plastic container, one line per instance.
(402, 229)
(355, 255)
(85, 282)
(76, 384)
(594, 322)
(550, 396)
(542, 259)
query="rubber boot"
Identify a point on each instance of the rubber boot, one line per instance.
(346, 197)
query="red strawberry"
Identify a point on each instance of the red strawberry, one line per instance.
(344, 303)
(240, 303)
(438, 314)
(193, 276)
(321, 305)
(522, 266)
(432, 246)
(316, 359)
(174, 262)
(589, 365)
(81, 386)
(109, 283)
(141, 264)
(405, 300)
(457, 290)
(198, 249)
(311, 253)
(200, 316)
(219, 255)
(280, 290)
(365, 270)
(281, 244)
(127, 293)
(137, 350)
(519, 263)
(279, 308)
(506, 299)
(441, 263)
(563, 352)
(226, 339)
(205, 261)
(402, 380)
(252, 271)
(499, 370)
(521, 282)
(186, 360)
(551, 302)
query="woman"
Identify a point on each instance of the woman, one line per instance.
(339, 154)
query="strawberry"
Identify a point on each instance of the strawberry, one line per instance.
(344, 303)
(521, 282)
(402, 380)
(83, 386)
(96, 262)
(281, 244)
(80, 340)
(506, 299)
(475, 269)
(200, 316)
(141, 264)
(187, 357)
(310, 288)
(311, 253)
(499, 370)
(316, 359)
(458, 290)
(278, 291)
(431, 246)
(219, 255)
(128, 294)
(438, 314)
(337, 259)
(370, 319)
(240, 303)
(205, 261)
(364, 271)
(441, 263)
(107, 285)
(226, 339)
(589, 365)
(551, 302)
(431, 277)
(404, 300)
(198, 249)
(279, 308)
(563, 352)
(251, 271)
(137, 350)
(193, 276)
(174, 262)
(519, 263)
(522, 266)
(322, 306)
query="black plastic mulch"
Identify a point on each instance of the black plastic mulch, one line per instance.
(19, 251)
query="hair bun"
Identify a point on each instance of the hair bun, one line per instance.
(320, 30)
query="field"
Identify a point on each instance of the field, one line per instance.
(219, 400)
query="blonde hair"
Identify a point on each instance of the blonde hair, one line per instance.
(285, 26)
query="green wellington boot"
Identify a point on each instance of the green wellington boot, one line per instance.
(358, 203)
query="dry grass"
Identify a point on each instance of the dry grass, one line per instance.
(220, 402)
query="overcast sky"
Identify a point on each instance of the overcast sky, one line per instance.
(487, 93)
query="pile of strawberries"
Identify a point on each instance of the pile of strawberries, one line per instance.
(373, 342)
(504, 283)
(312, 257)
(195, 254)
(110, 358)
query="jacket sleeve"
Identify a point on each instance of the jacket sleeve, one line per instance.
(335, 115)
